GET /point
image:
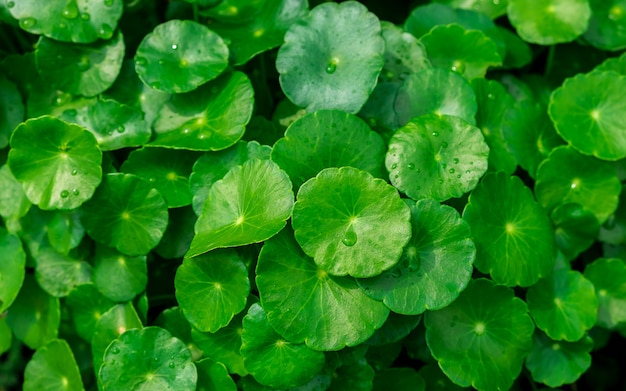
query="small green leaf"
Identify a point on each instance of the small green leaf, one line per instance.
(212, 288)
(126, 213)
(564, 305)
(576, 229)
(306, 304)
(328, 138)
(436, 264)
(12, 268)
(249, 205)
(87, 305)
(336, 52)
(58, 274)
(350, 222)
(272, 360)
(149, 358)
(513, 242)
(11, 109)
(609, 278)
(607, 24)
(213, 376)
(129, 273)
(483, 346)
(13, 201)
(53, 368)
(84, 70)
(179, 56)
(178, 235)
(60, 170)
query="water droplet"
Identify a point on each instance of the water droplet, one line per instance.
(161, 62)
(185, 131)
(467, 171)
(10, 4)
(151, 179)
(441, 181)
(349, 238)
(115, 351)
(65, 194)
(70, 11)
(174, 47)
(435, 134)
(172, 365)
(108, 3)
(84, 63)
(490, 96)
(62, 25)
(451, 171)
(156, 85)
(105, 31)
(331, 68)
(27, 23)
(394, 166)
(156, 359)
(120, 129)
(74, 172)
(455, 161)
(411, 166)
(458, 176)
(444, 145)
(140, 61)
(85, 16)
(418, 170)
(75, 192)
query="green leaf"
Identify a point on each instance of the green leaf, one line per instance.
(13, 201)
(356, 375)
(518, 52)
(491, 8)
(336, 52)
(65, 231)
(87, 305)
(546, 22)
(129, 273)
(328, 138)
(53, 368)
(212, 167)
(210, 118)
(467, 52)
(351, 223)
(436, 264)
(213, 376)
(179, 56)
(567, 176)
(557, 363)
(34, 316)
(306, 304)
(434, 379)
(614, 229)
(6, 336)
(588, 112)
(70, 21)
(400, 379)
(166, 169)
(483, 346)
(272, 360)
(82, 70)
(60, 170)
(609, 278)
(149, 358)
(58, 274)
(563, 305)
(607, 24)
(178, 235)
(435, 91)
(513, 242)
(436, 156)
(249, 205)
(212, 288)
(576, 229)
(12, 268)
(11, 109)
(395, 328)
(113, 124)
(126, 213)
(256, 34)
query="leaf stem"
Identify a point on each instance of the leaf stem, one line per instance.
(549, 61)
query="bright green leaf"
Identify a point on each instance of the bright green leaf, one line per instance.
(213, 376)
(12, 268)
(609, 278)
(87, 306)
(53, 368)
(11, 109)
(129, 273)
(58, 274)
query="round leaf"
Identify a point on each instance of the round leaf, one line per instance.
(564, 305)
(71, 21)
(212, 288)
(588, 112)
(166, 169)
(53, 368)
(149, 358)
(467, 52)
(557, 363)
(547, 22)
(350, 222)
(178, 235)
(514, 241)
(576, 229)
(436, 156)
(306, 304)
(213, 376)
(60, 170)
(80, 69)
(567, 176)
(609, 278)
(58, 274)
(12, 268)
(126, 213)
(331, 58)
(483, 346)
(436, 91)
(607, 24)
(328, 139)
(436, 264)
(87, 305)
(179, 56)
(210, 118)
(249, 205)
(129, 273)
(271, 360)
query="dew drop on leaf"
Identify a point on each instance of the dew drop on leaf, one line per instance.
(455, 161)
(27, 23)
(444, 145)
(108, 3)
(105, 31)
(451, 171)
(349, 238)
(172, 365)
(140, 61)
(115, 351)
(65, 194)
(70, 11)
(120, 129)
(85, 16)
(435, 134)
(10, 4)
(394, 166)
(174, 47)
(74, 172)
(411, 166)
(331, 68)
(75, 192)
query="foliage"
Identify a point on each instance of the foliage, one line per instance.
(312, 195)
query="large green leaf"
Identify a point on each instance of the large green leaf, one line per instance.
(212, 288)
(350, 222)
(436, 156)
(306, 304)
(58, 274)
(335, 53)
(53, 368)
(126, 213)
(436, 264)
(272, 360)
(87, 305)
(328, 138)
(608, 276)
(60, 170)
(514, 241)
(12, 268)
(483, 346)
(249, 205)
(129, 273)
